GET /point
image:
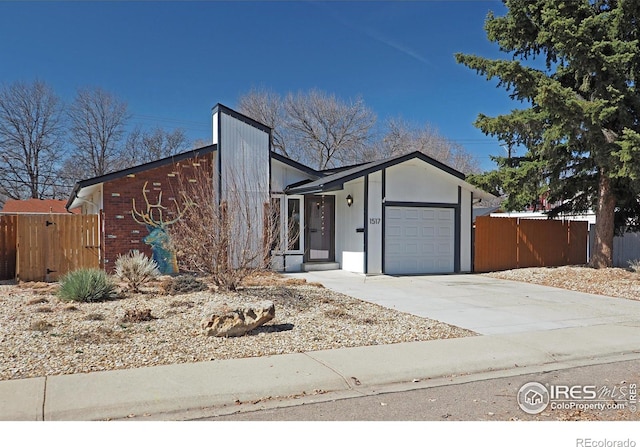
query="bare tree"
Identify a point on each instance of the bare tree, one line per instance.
(144, 146)
(328, 131)
(314, 128)
(226, 240)
(267, 107)
(402, 137)
(199, 142)
(98, 119)
(30, 140)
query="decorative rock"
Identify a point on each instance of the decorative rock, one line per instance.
(221, 320)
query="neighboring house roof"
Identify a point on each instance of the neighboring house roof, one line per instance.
(479, 211)
(335, 180)
(34, 206)
(73, 202)
(588, 216)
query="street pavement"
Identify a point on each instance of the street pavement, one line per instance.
(470, 399)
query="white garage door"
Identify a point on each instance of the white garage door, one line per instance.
(419, 240)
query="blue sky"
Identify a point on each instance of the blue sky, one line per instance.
(173, 61)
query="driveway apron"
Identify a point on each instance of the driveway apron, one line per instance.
(480, 303)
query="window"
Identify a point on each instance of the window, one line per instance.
(276, 225)
(293, 224)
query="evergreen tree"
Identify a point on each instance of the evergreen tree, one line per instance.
(575, 66)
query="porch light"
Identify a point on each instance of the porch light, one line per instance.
(349, 200)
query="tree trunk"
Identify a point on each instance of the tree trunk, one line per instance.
(602, 255)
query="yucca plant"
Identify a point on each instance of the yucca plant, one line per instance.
(87, 285)
(136, 269)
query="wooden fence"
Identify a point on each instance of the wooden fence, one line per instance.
(8, 247)
(48, 246)
(503, 243)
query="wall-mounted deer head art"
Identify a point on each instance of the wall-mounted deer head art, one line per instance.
(155, 221)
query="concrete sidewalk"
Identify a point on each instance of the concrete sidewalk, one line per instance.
(156, 391)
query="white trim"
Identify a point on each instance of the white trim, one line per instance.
(285, 215)
(284, 225)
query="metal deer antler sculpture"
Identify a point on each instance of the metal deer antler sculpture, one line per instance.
(153, 218)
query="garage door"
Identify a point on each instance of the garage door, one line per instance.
(419, 240)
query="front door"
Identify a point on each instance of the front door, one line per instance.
(319, 228)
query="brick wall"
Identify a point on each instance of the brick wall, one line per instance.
(121, 232)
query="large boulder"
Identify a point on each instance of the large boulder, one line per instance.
(224, 320)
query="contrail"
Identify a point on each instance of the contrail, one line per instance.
(373, 34)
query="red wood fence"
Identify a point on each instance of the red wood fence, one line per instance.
(503, 243)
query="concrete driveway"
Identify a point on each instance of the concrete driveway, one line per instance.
(482, 304)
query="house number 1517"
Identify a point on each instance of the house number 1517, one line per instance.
(374, 220)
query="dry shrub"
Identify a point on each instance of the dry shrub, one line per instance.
(43, 309)
(228, 234)
(41, 325)
(135, 269)
(369, 321)
(180, 303)
(295, 282)
(182, 284)
(263, 278)
(336, 312)
(100, 334)
(41, 288)
(137, 316)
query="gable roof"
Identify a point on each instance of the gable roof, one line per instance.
(34, 206)
(335, 180)
(136, 169)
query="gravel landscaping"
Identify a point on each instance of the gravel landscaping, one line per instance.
(615, 282)
(43, 335)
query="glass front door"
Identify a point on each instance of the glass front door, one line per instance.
(320, 236)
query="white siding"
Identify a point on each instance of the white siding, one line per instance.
(350, 243)
(417, 181)
(283, 175)
(244, 158)
(374, 226)
(465, 231)
(215, 128)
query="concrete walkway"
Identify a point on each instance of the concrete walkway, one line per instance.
(480, 303)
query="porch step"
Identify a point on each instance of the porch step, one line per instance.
(319, 266)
